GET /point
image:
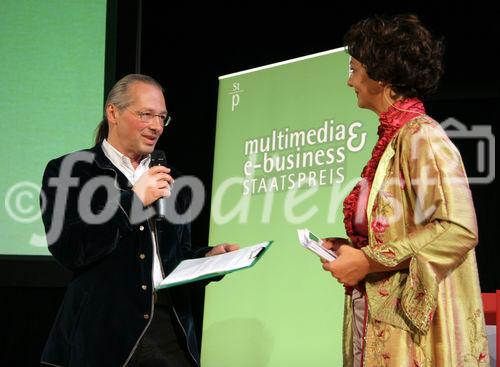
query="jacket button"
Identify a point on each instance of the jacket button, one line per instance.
(146, 316)
(144, 286)
(142, 256)
(141, 228)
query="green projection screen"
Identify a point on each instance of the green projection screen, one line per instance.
(290, 144)
(51, 95)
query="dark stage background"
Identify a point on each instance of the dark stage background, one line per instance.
(187, 48)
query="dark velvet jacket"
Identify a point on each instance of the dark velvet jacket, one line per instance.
(108, 304)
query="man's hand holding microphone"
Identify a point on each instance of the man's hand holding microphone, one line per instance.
(154, 187)
(154, 184)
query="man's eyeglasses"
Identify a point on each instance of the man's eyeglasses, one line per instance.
(149, 117)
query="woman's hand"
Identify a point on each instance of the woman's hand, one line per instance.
(350, 267)
(333, 244)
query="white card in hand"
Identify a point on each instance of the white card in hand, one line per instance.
(314, 244)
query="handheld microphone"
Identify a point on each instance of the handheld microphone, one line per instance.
(160, 205)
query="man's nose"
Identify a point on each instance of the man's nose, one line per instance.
(156, 123)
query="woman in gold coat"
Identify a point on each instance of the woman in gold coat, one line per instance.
(408, 264)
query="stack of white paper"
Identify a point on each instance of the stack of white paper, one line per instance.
(313, 243)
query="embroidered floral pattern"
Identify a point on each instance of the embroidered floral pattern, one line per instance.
(382, 348)
(417, 353)
(378, 335)
(383, 292)
(389, 253)
(477, 341)
(482, 357)
(379, 224)
(415, 126)
(431, 316)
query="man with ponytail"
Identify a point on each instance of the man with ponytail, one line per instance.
(101, 199)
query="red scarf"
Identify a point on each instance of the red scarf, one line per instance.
(391, 121)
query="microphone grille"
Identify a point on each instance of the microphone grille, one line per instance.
(158, 158)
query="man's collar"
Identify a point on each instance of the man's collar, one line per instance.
(103, 162)
(117, 157)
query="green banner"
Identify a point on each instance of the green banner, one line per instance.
(290, 145)
(52, 82)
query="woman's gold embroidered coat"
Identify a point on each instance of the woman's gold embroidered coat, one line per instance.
(420, 207)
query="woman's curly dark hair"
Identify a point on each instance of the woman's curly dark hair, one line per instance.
(399, 51)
